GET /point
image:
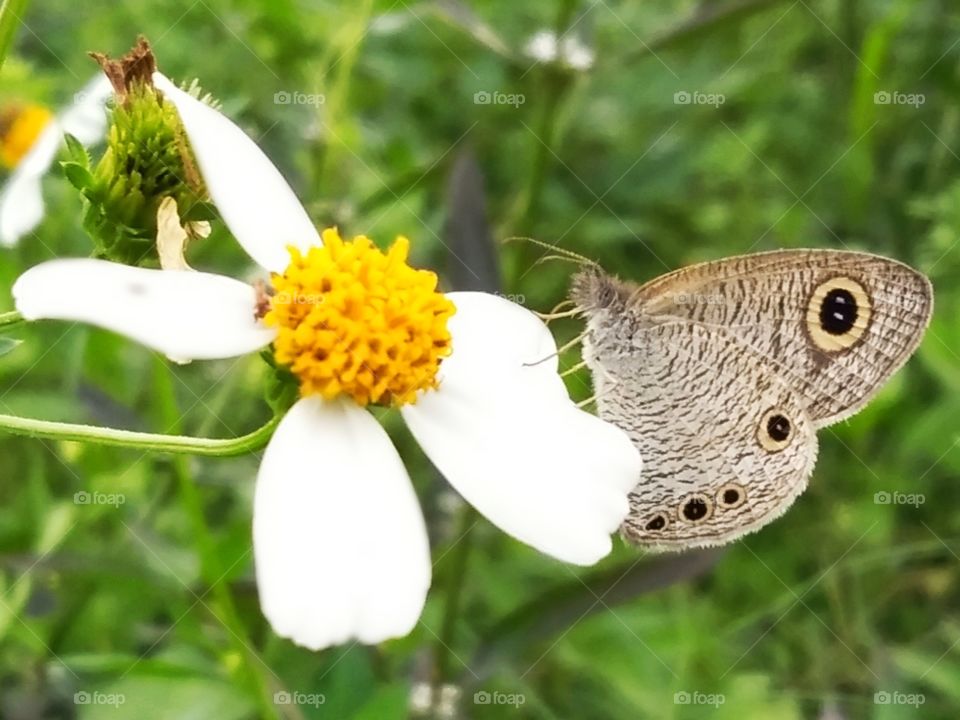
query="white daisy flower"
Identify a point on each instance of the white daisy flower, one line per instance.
(576, 54)
(29, 146)
(545, 47)
(340, 544)
(542, 46)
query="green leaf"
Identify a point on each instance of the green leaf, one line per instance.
(8, 345)
(282, 388)
(78, 175)
(10, 13)
(76, 151)
(387, 703)
(163, 698)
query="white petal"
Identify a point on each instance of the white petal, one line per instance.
(256, 202)
(506, 435)
(340, 543)
(21, 207)
(542, 46)
(183, 314)
(41, 155)
(491, 329)
(21, 200)
(86, 117)
(576, 54)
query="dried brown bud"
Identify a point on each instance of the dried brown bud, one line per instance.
(133, 69)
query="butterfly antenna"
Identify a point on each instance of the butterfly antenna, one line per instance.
(573, 343)
(564, 258)
(568, 254)
(555, 314)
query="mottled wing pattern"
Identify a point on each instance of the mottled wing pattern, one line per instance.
(722, 372)
(788, 307)
(697, 407)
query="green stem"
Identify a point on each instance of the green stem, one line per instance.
(10, 13)
(9, 319)
(556, 82)
(149, 442)
(542, 150)
(335, 104)
(211, 568)
(454, 593)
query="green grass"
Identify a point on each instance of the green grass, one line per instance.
(840, 599)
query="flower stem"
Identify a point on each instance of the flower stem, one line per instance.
(335, 107)
(456, 574)
(9, 319)
(211, 568)
(11, 12)
(556, 81)
(148, 442)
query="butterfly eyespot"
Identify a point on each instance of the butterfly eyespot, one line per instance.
(731, 495)
(657, 522)
(775, 430)
(838, 314)
(778, 428)
(696, 508)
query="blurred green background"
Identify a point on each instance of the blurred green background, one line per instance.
(701, 130)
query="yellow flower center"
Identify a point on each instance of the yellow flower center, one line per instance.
(354, 320)
(19, 129)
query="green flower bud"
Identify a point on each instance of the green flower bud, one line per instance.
(147, 159)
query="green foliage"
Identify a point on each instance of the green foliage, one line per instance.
(8, 345)
(833, 605)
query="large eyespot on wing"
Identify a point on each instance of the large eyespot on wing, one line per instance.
(864, 317)
(838, 314)
(728, 445)
(835, 324)
(774, 431)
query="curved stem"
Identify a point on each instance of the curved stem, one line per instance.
(11, 12)
(152, 442)
(9, 319)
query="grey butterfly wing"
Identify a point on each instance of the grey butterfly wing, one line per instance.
(700, 410)
(722, 372)
(836, 325)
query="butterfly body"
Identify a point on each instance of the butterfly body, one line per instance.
(721, 373)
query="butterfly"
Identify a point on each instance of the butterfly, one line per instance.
(721, 373)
